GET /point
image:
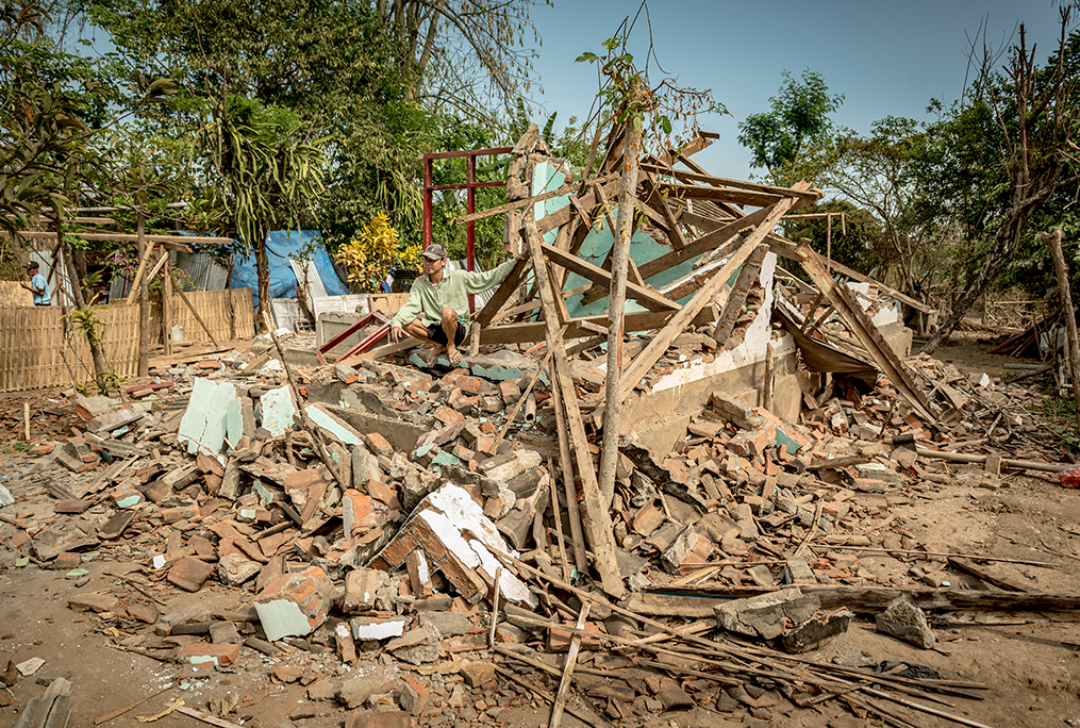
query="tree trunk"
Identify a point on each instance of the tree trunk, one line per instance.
(1054, 241)
(262, 264)
(620, 259)
(93, 335)
(144, 300)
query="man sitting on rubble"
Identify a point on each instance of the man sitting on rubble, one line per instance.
(437, 311)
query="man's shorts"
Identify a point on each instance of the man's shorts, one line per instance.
(435, 333)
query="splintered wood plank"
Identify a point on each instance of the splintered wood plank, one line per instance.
(733, 183)
(644, 361)
(502, 294)
(721, 194)
(597, 519)
(865, 331)
(646, 297)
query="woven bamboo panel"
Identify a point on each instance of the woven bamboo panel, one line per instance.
(40, 348)
(217, 309)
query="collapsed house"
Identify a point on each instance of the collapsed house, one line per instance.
(378, 507)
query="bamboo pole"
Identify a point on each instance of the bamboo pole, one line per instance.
(145, 251)
(620, 263)
(166, 306)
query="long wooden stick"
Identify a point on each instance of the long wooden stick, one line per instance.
(568, 670)
(524, 396)
(1054, 241)
(183, 297)
(961, 457)
(117, 713)
(597, 519)
(541, 693)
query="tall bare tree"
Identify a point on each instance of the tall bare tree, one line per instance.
(1038, 123)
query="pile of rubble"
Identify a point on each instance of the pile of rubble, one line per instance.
(373, 512)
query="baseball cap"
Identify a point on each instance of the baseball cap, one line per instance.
(435, 252)
(32, 264)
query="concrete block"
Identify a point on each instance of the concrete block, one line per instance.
(765, 615)
(478, 673)
(449, 624)
(361, 587)
(689, 543)
(904, 620)
(816, 632)
(224, 633)
(234, 569)
(389, 719)
(294, 604)
(355, 692)
(418, 646)
(377, 629)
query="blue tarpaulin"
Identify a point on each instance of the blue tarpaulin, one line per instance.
(281, 245)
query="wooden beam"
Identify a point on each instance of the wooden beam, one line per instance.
(705, 243)
(721, 194)
(568, 188)
(568, 670)
(597, 519)
(184, 240)
(521, 333)
(865, 331)
(808, 194)
(644, 361)
(648, 298)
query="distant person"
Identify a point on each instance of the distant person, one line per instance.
(437, 311)
(37, 285)
(387, 286)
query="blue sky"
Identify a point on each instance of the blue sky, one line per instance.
(888, 59)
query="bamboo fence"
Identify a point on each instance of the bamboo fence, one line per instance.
(40, 347)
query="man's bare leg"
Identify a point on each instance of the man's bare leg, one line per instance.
(417, 329)
(450, 328)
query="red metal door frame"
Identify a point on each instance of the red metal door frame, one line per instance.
(470, 185)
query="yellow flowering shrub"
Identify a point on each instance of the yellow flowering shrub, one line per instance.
(374, 251)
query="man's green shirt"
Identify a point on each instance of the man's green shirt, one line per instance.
(426, 301)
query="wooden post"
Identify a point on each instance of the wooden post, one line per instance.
(144, 295)
(620, 260)
(568, 669)
(1054, 241)
(166, 306)
(597, 519)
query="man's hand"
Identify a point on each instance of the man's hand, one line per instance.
(395, 333)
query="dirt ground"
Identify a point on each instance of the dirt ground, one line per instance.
(1029, 665)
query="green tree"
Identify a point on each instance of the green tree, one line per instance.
(271, 175)
(884, 173)
(798, 114)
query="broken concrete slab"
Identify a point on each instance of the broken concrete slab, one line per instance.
(766, 615)
(904, 620)
(294, 604)
(457, 538)
(205, 422)
(277, 411)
